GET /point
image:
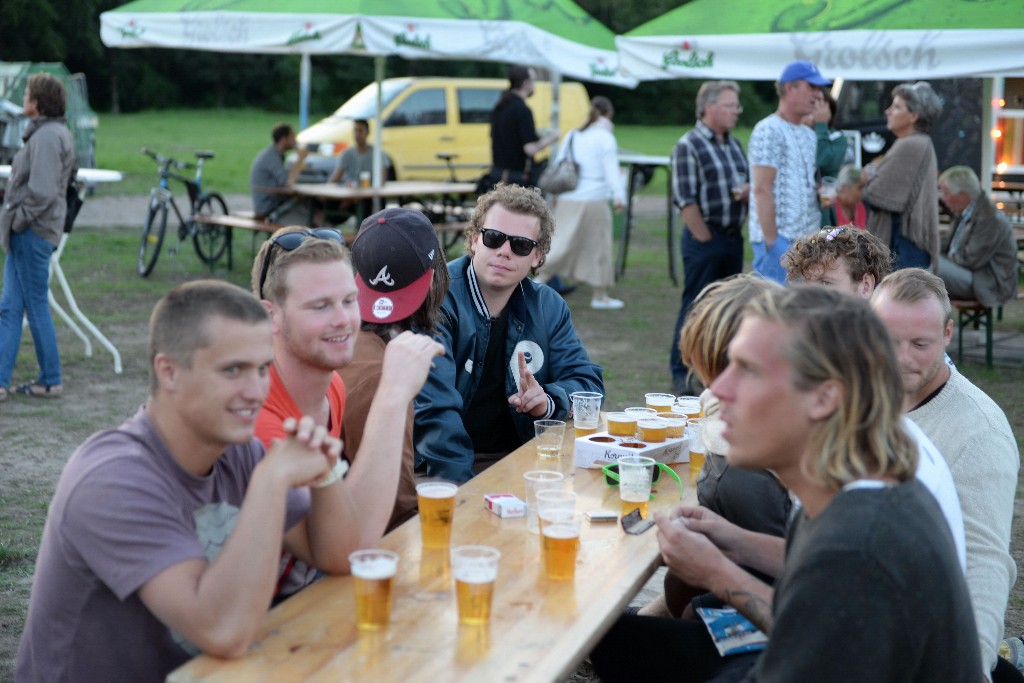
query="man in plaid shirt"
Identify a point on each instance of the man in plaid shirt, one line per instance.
(710, 187)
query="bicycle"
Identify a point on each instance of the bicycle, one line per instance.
(209, 241)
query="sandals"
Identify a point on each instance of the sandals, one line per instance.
(39, 390)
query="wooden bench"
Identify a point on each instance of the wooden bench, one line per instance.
(232, 221)
(970, 312)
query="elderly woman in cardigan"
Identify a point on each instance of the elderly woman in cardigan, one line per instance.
(901, 192)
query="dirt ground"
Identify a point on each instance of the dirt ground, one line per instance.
(36, 437)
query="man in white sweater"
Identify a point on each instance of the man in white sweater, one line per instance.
(972, 433)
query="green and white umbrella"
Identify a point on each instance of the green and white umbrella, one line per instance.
(553, 34)
(851, 39)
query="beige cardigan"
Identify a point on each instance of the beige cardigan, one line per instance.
(907, 184)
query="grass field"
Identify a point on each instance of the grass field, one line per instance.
(237, 135)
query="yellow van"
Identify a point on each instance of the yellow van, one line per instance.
(424, 117)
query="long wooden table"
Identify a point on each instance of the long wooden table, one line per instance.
(540, 630)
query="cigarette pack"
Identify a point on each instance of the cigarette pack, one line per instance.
(505, 505)
(602, 448)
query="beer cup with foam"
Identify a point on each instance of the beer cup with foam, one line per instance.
(374, 575)
(475, 568)
(560, 537)
(437, 508)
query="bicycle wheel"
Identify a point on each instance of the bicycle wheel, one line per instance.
(152, 236)
(210, 241)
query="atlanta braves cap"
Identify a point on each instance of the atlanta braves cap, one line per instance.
(803, 71)
(393, 255)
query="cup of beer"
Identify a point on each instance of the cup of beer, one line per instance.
(538, 480)
(635, 475)
(659, 403)
(640, 413)
(551, 501)
(437, 508)
(586, 412)
(688, 405)
(675, 424)
(738, 186)
(560, 540)
(827, 191)
(695, 428)
(364, 179)
(621, 424)
(374, 574)
(549, 435)
(475, 568)
(652, 430)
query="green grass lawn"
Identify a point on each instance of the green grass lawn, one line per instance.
(236, 135)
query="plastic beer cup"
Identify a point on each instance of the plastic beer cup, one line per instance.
(437, 508)
(635, 474)
(561, 544)
(475, 568)
(374, 574)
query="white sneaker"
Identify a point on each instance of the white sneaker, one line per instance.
(606, 304)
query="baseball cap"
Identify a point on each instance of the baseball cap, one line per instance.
(803, 71)
(393, 255)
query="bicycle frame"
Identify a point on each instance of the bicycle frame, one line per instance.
(210, 241)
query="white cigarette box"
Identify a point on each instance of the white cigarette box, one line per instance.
(505, 505)
(602, 448)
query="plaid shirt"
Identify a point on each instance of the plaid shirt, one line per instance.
(702, 173)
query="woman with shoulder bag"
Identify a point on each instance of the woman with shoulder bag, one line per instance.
(581, 248)
(31, 223)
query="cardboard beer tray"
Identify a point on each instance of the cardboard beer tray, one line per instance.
(595, 450)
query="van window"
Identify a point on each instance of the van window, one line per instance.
(475, 104)
(421, 108)
(363, 105)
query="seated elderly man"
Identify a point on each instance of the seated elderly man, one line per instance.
(980, 261)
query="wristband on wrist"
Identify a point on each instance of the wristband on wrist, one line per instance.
(339, 470)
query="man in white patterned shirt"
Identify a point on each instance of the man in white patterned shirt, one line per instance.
(784, 202)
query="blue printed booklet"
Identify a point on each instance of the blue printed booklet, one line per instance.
(732, 632)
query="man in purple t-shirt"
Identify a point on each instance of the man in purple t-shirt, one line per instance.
(163, 537)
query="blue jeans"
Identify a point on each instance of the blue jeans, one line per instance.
(906, 254)
(767, 264)
(25, 289)
(703, 263)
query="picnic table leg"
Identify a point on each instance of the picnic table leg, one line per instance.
(627, 224)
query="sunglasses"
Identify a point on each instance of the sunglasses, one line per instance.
(521, 246)
(611, 475)
(290, 241)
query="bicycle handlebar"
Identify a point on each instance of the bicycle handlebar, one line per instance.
(168, 162)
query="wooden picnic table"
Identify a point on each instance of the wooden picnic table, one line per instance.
(389, 190)
(540, 630)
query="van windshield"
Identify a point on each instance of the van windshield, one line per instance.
(363, 105)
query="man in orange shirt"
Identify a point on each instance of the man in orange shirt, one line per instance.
(305, 281)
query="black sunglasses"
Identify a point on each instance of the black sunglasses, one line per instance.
(290, 241)
(521, 246)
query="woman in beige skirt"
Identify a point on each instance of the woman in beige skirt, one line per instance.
(581, 248)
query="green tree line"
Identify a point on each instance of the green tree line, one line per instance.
(132, 80)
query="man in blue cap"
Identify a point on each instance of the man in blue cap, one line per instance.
(784, 200)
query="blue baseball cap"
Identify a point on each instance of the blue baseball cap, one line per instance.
(803, 71)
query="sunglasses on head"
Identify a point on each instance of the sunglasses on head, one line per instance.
(290, 241)
(611, 475)
(521, 246)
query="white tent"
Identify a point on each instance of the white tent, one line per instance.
(851, 39)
